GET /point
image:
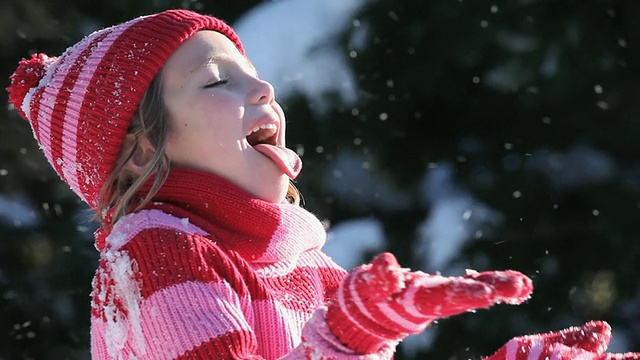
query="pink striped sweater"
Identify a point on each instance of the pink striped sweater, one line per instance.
(209, 272)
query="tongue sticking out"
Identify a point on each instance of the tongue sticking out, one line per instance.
(285, 159)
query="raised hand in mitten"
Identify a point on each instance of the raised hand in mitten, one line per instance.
(588, 342)
(381, 302)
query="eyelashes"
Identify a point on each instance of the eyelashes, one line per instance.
(216, 83)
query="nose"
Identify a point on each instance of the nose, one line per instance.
(262, 92)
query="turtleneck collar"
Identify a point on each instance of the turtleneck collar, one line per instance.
(259, 231)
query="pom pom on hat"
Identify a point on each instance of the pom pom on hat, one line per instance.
(80, 104)
(26, 77)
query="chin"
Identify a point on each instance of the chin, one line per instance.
(276, 192)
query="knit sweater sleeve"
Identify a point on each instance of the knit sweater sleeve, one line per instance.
(173, 295)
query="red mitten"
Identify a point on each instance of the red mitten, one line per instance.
(588, 342)
(380, 301)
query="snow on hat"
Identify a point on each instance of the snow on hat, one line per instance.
(80, 104)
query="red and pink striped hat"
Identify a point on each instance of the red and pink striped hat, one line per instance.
(80, 104)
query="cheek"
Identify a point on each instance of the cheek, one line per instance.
(226, 105)
(174, 148)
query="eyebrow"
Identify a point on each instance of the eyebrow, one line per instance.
(222, 57)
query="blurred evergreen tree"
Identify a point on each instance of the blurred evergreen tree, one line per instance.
(513, 95)
(535, 105)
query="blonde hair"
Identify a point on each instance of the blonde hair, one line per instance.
(118, 195)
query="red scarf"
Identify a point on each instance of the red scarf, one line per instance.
(258, 230)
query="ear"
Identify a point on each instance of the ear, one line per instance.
(143, 153)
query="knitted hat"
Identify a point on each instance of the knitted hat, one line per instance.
(80, 104)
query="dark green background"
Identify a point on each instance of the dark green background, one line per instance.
(440, 57)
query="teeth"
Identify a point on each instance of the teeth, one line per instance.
(263, 126)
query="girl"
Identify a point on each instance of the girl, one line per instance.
(163, 127)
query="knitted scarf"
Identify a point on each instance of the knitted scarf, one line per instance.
(259, 231)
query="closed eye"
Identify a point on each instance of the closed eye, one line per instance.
(217, 83)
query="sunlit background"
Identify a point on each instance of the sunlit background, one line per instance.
(455, 133)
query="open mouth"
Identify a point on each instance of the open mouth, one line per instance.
(263, 134)
(263, 138)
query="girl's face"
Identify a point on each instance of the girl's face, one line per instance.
(223, 119)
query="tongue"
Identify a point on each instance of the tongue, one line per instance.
(285, 159)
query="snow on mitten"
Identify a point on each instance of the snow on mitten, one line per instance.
(588, 342)
(381, 302)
